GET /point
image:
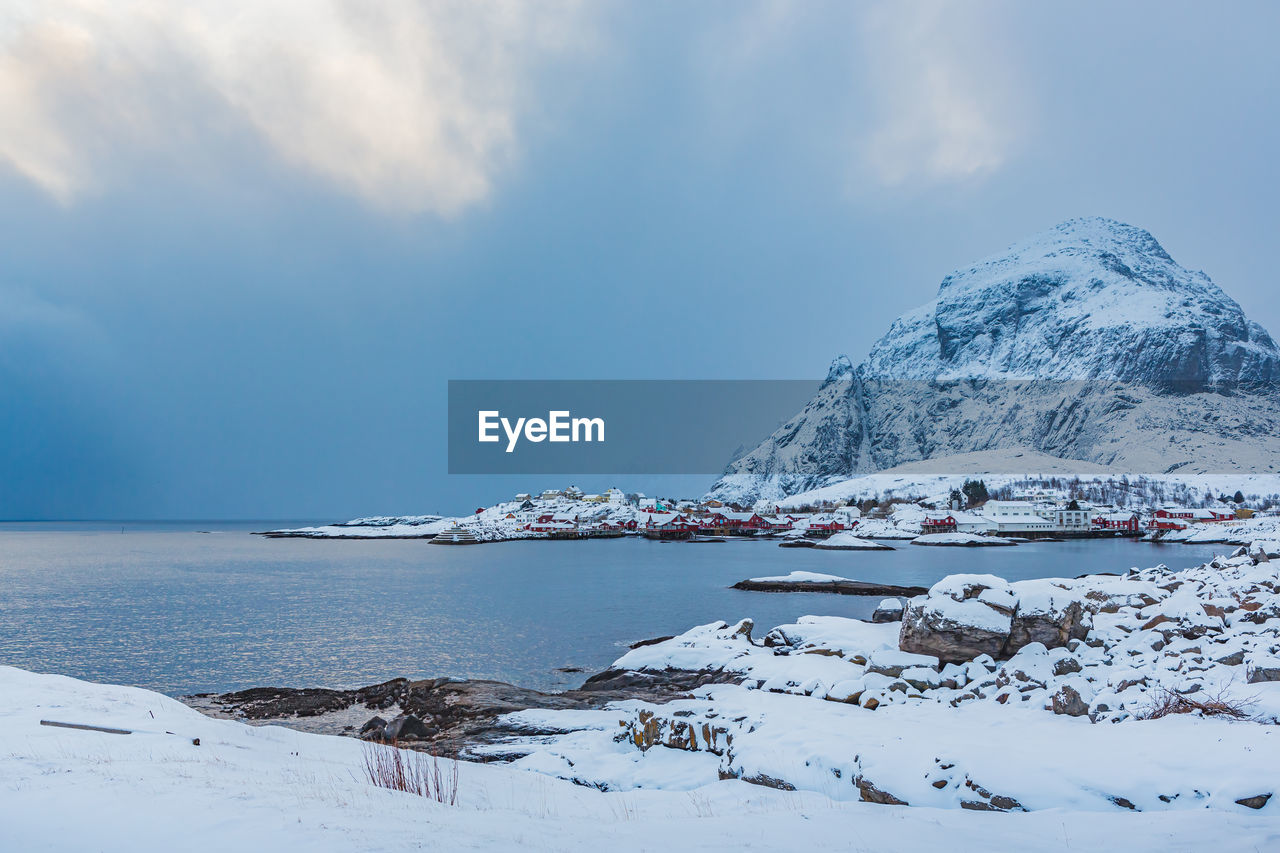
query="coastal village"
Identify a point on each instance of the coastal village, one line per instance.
(968, 516)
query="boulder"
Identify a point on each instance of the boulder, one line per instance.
(1264, 669)
(1066, 666)
(405, 727)
(889, 610)
(962, 617)
(373, 729)
(1255, 802)
(893, 663)
(1047, 613)
(1068, 701)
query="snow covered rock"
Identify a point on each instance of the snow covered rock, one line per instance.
(962, 617)
(846, 541)
(889, 610)
(893, 663)
(1046, 613)
(1067, 701)
(961, 540)
(1263, 669)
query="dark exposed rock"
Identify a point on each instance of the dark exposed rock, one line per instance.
(374, 729)
(836, 587)
(446, 715)
(988, 801)
(1066, 666)
(1254, 802)
(1067, 701)
(650, 642)
(1260, 674)
(406, 727)
(769, 782)
(268, 703)
(869, 793)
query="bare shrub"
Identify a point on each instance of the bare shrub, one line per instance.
(1167, 702)
(412, 772)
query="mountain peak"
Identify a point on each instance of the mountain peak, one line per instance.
(840, 366)
(1090, 298)
(1136, 362)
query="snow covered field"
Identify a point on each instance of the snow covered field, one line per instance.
(271, 788)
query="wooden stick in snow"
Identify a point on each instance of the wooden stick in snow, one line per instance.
(85, 727)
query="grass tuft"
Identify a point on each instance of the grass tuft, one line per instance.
(412, 772)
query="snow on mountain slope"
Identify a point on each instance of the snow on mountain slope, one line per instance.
(934, 479)
(1087, 342)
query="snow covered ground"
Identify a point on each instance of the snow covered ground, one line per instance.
(270, 788)
(834, 706)
(1241, 532)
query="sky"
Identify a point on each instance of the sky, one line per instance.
(246, 243)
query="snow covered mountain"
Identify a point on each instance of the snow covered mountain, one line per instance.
(1086, 342)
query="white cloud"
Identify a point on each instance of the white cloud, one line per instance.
(408, 105)
(942, 92)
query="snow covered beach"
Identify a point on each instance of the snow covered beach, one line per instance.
(825, 724)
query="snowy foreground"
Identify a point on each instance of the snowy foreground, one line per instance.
(829, 727)
(270, 788)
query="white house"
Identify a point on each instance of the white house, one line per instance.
(1016, 517)
(972, 522)
(847, 514)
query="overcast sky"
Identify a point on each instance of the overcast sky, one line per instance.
(246, 243)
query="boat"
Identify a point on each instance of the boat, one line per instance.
(456, 535)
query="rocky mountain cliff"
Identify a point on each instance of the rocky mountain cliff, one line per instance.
(1085, 342)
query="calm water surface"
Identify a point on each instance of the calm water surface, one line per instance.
(181, 611)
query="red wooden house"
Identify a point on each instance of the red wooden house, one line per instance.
(1122, 521)
(938, 524)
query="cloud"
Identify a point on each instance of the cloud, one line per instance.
(942, 93)
(409, 106)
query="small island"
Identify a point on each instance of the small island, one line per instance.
(816, 582)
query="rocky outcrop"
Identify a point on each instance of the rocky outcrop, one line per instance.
(445, 715)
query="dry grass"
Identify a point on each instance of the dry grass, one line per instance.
(1167, 702)
(412, 772)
